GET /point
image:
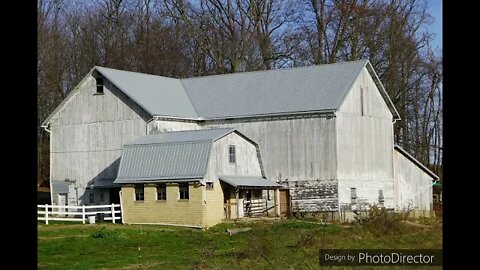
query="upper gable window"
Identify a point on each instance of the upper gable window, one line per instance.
(99, 82)
(231, 154)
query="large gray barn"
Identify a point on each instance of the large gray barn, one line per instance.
(325, 132)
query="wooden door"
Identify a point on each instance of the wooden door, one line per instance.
(284, 202)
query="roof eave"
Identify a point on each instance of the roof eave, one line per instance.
(418, 163)
(383, 92)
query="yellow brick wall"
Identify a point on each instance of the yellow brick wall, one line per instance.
(213, 206)
(170, 211)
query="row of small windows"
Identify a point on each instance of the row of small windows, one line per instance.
(183, 192)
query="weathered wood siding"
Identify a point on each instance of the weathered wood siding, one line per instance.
(293, 149)
(299, 153)
(158, 126)
(413, 187)
(247, 164)
(365, 144)
(88, 134)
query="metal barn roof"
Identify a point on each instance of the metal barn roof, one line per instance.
(243, 182)
(313, 88)
(156, 94)
(171, 155)
(183, 136)
(317, 88)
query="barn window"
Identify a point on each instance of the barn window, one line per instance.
(231, 153)
(99, 82)
(161, 192)
(139, 193)
(183, 189)
(209, 186)
(353, 195)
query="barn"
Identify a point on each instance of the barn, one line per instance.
(324, 133)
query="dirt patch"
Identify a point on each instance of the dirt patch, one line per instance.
(61, 236)
(414, 224)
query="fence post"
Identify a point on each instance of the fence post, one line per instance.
(46, 214)
(113, 213)
(83, 214)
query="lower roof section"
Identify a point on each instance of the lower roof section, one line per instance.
(104, 183)
(249, 182)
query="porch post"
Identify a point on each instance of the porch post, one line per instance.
(237, 203)
(277, 202)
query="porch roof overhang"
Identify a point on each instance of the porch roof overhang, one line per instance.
(249, 182)
(104, 183)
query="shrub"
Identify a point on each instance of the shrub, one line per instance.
(382, 222)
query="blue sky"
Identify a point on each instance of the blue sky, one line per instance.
(435, 9)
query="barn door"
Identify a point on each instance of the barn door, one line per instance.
(284, 202)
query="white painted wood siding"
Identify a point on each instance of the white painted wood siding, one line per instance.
(293, 149)
(158, 126)
(88, 134)
(365, 142)
(413, 187)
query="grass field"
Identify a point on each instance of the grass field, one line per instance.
(287, 244)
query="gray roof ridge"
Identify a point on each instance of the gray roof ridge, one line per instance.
(146, 74)
(169, 143)
(191, 130)
(273, 70)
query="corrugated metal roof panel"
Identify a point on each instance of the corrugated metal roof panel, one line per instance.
(183, 136)
(248, 182)
(156, 94)
(163, 161)
(313, 88)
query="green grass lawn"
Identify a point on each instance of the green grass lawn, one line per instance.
(287, 244)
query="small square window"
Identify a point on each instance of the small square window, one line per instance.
(161, 192)
(209, 186)
(183, 190)
(231, 154)
(139, 193)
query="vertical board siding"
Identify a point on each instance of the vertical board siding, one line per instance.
(246, 164)
(283, 146)
(413, 187)
(88, 135)
(298, 152)
(365, 144)
(367, 192)
(158, 126)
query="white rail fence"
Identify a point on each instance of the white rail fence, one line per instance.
(78, 213)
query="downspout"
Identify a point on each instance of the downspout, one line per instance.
(45, 127)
